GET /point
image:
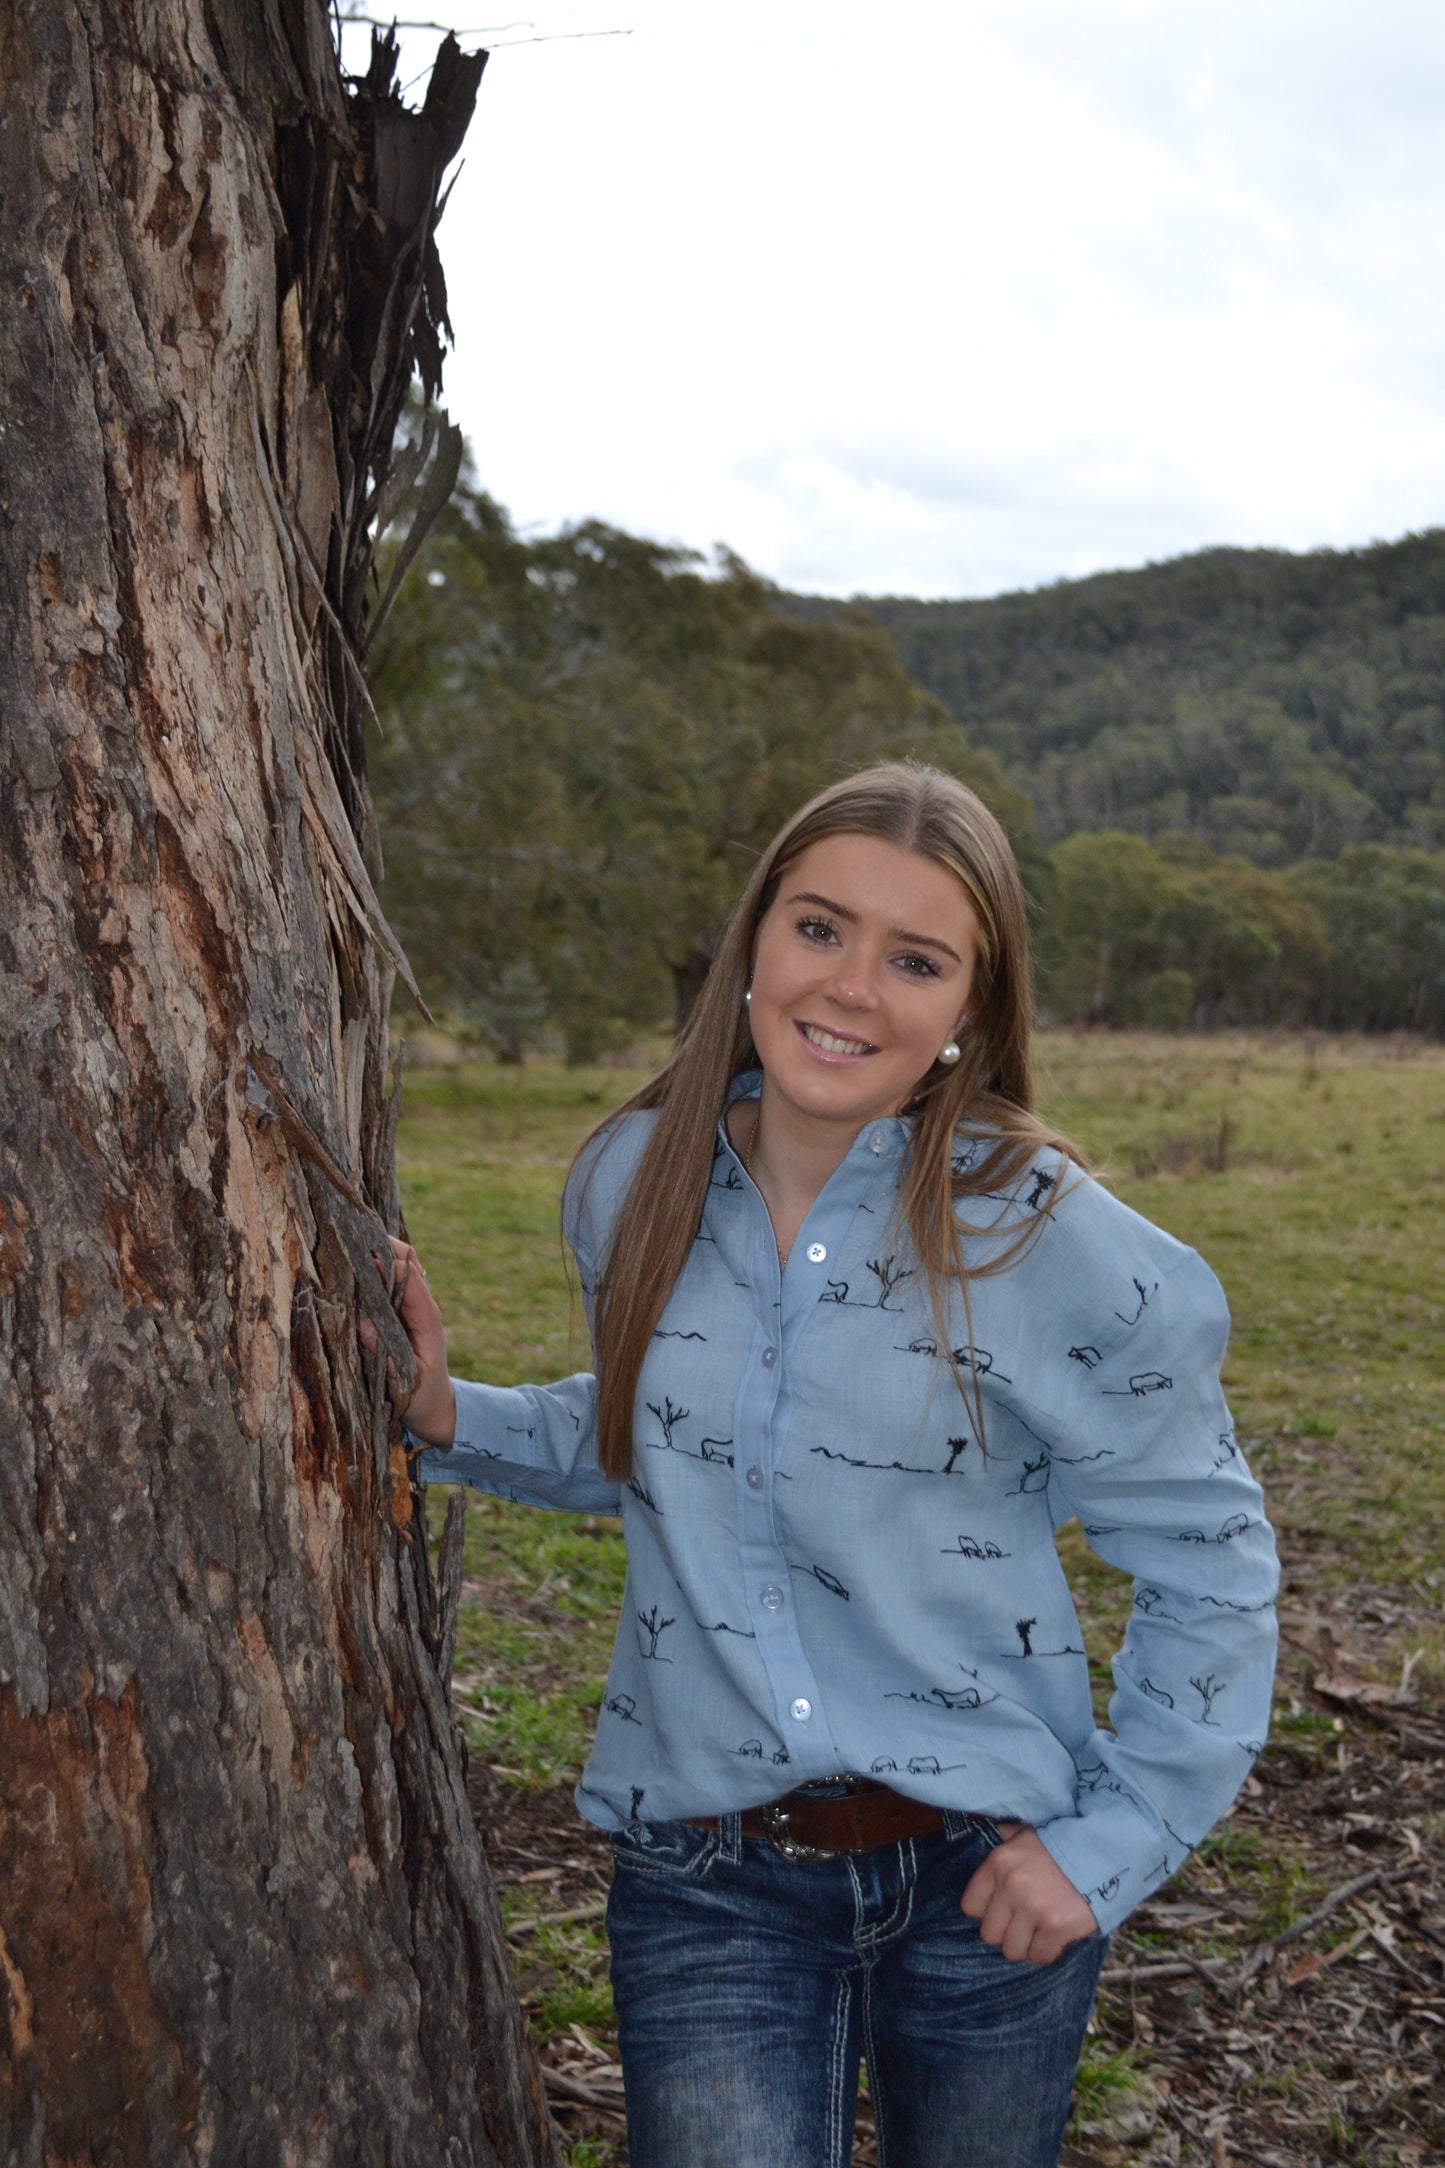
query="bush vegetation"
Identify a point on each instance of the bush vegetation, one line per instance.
(1224, 777)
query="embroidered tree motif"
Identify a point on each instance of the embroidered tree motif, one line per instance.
(637, 1792)
(1024, 1627)
(889, 1274)
(1209, 1690)
(1140, 1308)
(1034, 1478)
(654, 1627)
(668, 1416)
(1039, 1189)
(956, 1446)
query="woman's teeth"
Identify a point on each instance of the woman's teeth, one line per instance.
(829, 1043)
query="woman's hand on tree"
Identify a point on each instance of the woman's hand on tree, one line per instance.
(430, 1408)
(1025, 1904)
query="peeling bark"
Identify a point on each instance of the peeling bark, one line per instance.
(243, 1913)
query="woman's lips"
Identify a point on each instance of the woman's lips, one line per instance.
(834, 1046)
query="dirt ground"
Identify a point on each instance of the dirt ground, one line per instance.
(1282, 2002)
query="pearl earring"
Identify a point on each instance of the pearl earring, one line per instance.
(950, 1052)
(748, 998)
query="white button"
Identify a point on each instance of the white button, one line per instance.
(816, 1253)
(875, 1142)
(755, 1479)
(800, 1710)
(770, 1356)
(772, 1599)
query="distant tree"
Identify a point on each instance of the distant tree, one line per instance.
(583, 741)
(1384, 914)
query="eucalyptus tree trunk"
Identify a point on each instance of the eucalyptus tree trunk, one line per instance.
(244, 1917)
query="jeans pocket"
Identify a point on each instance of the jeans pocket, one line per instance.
(971, 1828)
(672, 1848)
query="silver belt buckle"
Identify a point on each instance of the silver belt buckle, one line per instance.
(774, 1818)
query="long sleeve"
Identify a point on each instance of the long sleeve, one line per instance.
(538, 1443)
(535, 1443)
(1142, 1448)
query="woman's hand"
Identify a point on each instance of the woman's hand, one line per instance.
(1025, 1905)
(430, 1408)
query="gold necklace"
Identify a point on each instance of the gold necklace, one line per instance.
(748, 1150)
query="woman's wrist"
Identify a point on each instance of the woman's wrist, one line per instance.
(431, 1413)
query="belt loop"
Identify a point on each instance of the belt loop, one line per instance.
(730, 1838)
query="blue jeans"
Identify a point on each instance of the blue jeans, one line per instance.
(747, 1989)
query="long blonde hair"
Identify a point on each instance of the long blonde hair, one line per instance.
(931, 815)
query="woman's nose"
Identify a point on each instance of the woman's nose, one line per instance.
(855, 982)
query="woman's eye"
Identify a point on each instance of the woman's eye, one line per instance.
(919, 967)
(815, 929)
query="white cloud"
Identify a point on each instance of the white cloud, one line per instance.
(961, 293)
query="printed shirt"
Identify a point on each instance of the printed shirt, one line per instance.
(829, 1569)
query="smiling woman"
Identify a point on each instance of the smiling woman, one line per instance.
(848, 1008)
(865, 1333)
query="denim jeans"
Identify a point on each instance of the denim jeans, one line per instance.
(748, 1987)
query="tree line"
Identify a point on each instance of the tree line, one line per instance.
(583, 738)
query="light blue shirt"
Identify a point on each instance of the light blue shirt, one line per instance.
(829, 1570)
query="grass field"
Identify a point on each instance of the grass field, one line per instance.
(1311, 1174)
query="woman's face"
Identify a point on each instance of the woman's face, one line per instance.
(861, 972)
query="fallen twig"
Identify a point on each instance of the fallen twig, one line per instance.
(1264, 1952)
(592, 1911)
(559, 2081)
(1172, 1969)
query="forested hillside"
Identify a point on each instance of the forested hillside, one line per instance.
(1224, 777)
(1275, 706)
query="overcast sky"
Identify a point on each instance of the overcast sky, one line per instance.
(952, 296)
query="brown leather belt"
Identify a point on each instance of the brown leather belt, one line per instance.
(807, 1824)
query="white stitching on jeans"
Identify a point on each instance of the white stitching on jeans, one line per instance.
(876, 2090)
(841, 2096)
(869, 1938)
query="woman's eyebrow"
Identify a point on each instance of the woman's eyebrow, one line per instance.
(895, 933)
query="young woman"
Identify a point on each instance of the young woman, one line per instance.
(865, 1334)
